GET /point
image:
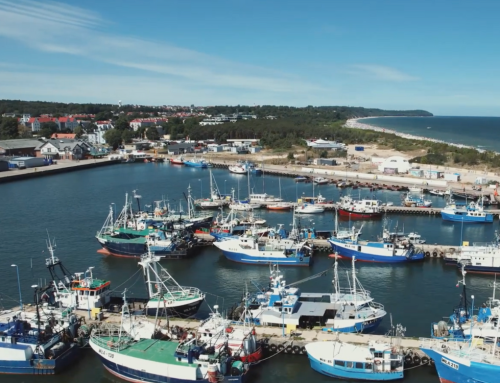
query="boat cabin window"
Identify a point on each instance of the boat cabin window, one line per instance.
(378, 354)
(359, 365)
(349, 364)
(368, 366)
(340, 363)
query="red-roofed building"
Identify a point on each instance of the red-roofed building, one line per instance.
(69, 136)
(145, 122)
(67, 123)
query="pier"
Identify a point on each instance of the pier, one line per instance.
(62, 166)
(275, 339)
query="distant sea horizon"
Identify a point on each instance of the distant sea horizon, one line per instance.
(480, 132)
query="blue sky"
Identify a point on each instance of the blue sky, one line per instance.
(441, 56)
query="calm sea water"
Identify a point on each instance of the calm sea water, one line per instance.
(73, 206)
(483, 132)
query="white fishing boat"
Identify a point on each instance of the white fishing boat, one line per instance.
(440, 193)
(216, 200)
(166, 296)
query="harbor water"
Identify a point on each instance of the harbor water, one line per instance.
(72, 207)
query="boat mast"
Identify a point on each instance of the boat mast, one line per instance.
(354, 279)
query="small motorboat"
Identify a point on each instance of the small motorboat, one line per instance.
(321, 180)
(280, 206)
(309, 208)
(437, 192)
(300, 179)
(177, 160)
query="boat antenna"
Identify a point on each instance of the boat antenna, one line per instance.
(137, 198)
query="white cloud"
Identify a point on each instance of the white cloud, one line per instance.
(39, 26)
(380, 72)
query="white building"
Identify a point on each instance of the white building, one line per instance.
(326, 145)
(401, 164)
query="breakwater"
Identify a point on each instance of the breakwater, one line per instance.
(60, 167)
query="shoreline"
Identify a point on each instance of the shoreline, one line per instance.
(354, 124)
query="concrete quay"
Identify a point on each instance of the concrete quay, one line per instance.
(276, 340)
(62, 166)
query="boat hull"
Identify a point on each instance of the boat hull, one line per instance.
(368, 257)
(140, 376)
(195, 164)
(183, 311)
(135, 250)
(41, 366)
(481, 269)
(332, 371)
(358, 215)
(466, 219)
(452, 369)
(263, 260)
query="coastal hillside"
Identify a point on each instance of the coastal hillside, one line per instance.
(37, 108)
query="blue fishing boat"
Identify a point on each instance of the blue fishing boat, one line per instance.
(463, 325)
(246, 249)
(197, 163)
(459, 362)
(387, 251)
(26, 348)
(471, 213)
(349, 310)
(377, 361)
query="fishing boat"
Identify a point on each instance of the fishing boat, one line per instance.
(416, 201)
(301, 179)
(197, 163)
(321, 180)
(359, 208)
(263, 198)
(380, 251)
(216, 200)
(246, 249)
(128, 237)
(237, 169)
(282, 304)
(472, 213)
(177, 160)
(27, 348)
(415, 238)
(244, 206)
(166, 296)
(158, 360)
(459, 362)
(241, 341)
(309, 208)
(481, 259)
(376, 361)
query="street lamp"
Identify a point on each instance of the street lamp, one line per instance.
(19, 285)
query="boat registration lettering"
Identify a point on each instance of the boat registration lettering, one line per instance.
(449, 363)
(109, 354)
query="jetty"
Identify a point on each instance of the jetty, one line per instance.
(62, 166)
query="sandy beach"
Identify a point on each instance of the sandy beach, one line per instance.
(355, 123)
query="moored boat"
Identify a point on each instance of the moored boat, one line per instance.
(309, 208)
(166, 296)
(246, 249)
(376, 361)
(472, 213)
(177, 160)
